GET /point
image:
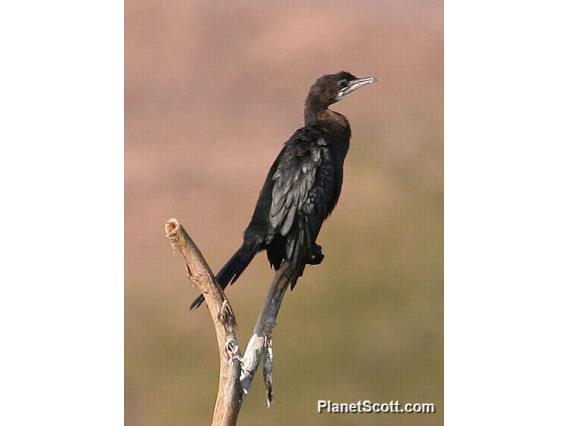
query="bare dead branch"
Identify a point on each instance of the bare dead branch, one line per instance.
(261, 340)
(267, 371)
(235, 373)
(229, 393)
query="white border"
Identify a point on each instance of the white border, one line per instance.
(61, 169)
(61, 235)
(506, 213)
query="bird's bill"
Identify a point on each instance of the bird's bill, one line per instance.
(354, 85)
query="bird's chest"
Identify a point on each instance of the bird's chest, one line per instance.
(338, 143)
(329, 179)
(338, 147)
(337, 136)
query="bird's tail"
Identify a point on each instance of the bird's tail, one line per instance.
(233, 268)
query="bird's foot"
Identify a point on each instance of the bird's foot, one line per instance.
(316, 257)
(226, 315)
(232, 351)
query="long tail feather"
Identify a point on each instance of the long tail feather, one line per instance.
(232, 269)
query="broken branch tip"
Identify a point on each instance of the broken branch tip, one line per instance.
(172, 225)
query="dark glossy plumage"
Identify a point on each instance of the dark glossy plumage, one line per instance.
(302, 186)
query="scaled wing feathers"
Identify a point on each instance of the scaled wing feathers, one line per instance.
(294, 180)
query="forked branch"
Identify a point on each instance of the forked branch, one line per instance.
(235, 372)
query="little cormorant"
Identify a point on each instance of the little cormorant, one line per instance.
(302, 186)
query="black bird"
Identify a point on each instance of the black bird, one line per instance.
(302, 186)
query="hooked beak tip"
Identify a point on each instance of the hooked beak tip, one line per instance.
(354, 85)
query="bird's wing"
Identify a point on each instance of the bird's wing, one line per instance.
(302, 192)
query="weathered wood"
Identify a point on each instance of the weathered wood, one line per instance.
(235, 372)
(261, 340)
(229, 393)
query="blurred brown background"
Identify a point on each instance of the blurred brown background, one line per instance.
(212, 91)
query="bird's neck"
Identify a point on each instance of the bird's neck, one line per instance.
(313, 110)
(323, 116)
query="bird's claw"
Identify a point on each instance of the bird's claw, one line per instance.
(232, 351)
(226, 315)
(316, 257)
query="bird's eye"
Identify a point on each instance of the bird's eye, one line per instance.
(342, 84)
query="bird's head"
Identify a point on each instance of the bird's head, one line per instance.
(331, 88)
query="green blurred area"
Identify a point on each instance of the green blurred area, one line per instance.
(212, 90)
